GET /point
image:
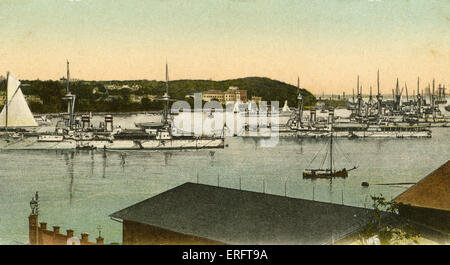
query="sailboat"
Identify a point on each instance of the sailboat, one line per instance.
(330, 172)
(236, 107)
(16, 112)
(286, 107)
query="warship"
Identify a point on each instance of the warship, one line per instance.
(375, 118)
(154, 135)
(71, 133)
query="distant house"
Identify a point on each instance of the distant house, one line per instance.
(190, 95)
(202, 214)
(119, 87)
(138, 99)
(135, 87)
(428, 201)
(235, 94)
(113, 97)
(64, 79)
(29, 98)
(231, 95)
(135, 98)
(213, 95)
(256, 99)
(33, 99)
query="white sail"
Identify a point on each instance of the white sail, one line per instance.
(19, 114)
(286, 107)
(236, 107)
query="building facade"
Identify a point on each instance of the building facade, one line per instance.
(233, 94)
(38, 233)
(428, 201)
(202, 214)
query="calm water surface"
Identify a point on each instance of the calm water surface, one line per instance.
(79, 189)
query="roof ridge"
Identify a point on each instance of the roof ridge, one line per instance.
(421, 180)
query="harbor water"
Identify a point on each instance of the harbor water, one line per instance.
(79, 189)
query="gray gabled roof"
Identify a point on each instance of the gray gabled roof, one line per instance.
(243, 217)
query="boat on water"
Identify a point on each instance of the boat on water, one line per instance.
(286, 107)
(71, 133)
(381, 130)
(331, 171)
(16, 115)
(161, 135)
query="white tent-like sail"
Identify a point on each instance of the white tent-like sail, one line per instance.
(236, 107)
(286, 107)
(19, 114)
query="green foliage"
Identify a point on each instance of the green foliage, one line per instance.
(93, 95)
(387, 231)
(335, 103)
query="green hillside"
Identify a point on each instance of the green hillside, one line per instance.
(94, 95)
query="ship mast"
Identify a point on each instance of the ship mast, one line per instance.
(331, 153)
(6, 105)
(379, 97)
(70, 98)
(406, 88)
(300, 103)
(419, 98)
(358, 96)
(166, 97)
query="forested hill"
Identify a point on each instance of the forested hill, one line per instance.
(268, 89)
(132, 95)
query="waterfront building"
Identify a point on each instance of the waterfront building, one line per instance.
(233, 94)
(39, 234)
(428, 201)
(202, 214)
(213, 95)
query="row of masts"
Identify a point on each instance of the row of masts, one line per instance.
(418, 99)
(420, 104)
(71, 101)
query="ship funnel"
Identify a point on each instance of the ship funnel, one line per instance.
(109, 123)
(312, 117)
(331, 116)
(86, 121)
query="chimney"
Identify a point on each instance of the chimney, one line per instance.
(99, 240)
(84, 238)
(33, 229)
(55, 230)
(43, 226)
(69, 233)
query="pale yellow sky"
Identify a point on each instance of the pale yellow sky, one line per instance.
(327, 43)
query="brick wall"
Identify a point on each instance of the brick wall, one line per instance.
(40, 235)
(142, 234)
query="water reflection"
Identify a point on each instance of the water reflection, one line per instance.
(92, 162)
(212, 158)
(167, 156)
(123, 161)
(69, 159)
(104, 156)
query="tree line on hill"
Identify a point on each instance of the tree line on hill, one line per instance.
(94, 95)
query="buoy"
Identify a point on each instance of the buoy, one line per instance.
(365, 184)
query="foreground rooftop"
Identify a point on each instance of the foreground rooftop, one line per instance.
(235, 216)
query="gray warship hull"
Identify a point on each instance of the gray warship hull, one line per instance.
(32, 143)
